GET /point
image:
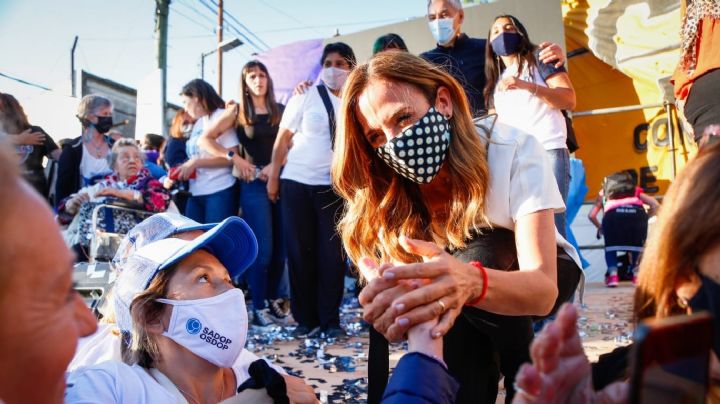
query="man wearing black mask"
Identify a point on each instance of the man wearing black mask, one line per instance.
(84, 159)
(464, 57)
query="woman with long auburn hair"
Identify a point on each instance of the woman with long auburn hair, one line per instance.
(451, 221)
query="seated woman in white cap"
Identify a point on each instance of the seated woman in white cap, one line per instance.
(188, 323)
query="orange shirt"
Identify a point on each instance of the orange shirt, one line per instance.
(708, 58)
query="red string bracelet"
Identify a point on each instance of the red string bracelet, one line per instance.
(483, 271)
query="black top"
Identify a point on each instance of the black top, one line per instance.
(175, 153)
(465, 61)
(257, 140)
(33, 155)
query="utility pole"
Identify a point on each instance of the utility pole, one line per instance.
(162, 9)
(72, 66)
(220, 39)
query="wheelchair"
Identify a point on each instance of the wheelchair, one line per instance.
(94, 279)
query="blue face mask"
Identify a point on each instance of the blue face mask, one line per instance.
(442, 30)
(506, 43)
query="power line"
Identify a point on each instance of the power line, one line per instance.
(197, 12)
(231, 26)
(193, 20)
(292, 17)
(24, 82)
(329, 25)
(250, 32)
(232, 17)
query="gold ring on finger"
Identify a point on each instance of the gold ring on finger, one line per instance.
(442, 306)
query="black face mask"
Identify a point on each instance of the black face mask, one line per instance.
(104, 124)
(708, 298)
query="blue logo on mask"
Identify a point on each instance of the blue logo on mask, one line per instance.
(193, 326)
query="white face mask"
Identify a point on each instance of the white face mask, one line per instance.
(333, 77)
(214, 328)
(442, 30)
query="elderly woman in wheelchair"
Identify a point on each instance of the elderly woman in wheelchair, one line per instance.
(116, 203)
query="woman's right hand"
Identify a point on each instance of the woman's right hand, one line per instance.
(74, 203)
(246, 170)
(186, 170)
(28, 137)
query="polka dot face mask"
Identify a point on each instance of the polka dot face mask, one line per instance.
(419, 151)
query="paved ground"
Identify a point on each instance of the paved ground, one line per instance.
(338, 369)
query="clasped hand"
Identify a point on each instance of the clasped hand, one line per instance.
(401, 296)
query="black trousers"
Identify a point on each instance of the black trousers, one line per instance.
(316, 261)
(703, 103)
(480, 347)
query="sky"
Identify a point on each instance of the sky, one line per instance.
(116, 37)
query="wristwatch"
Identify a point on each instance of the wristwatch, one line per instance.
(230, 155)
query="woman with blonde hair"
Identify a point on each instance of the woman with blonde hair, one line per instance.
(456, 219)
(84, 160)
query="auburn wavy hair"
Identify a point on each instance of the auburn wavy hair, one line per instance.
(681, 237)
(381, 205)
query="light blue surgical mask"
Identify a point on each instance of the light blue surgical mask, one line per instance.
(442, 30)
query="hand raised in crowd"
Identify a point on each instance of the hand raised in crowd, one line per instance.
(186, 170)
(302, 87)
(28, 137)
(420, 339)
(410, 294)
(244, 168)
(560, 372)
(550, 53)
(74, 203)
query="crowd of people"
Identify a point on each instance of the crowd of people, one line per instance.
(440, 180)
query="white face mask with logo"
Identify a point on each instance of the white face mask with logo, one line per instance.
(214, 328)
(333, 77)
(442, 30)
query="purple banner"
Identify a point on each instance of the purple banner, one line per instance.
(292, 63)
